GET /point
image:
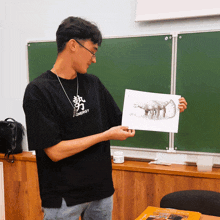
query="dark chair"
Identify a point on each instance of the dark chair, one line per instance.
(203, 201)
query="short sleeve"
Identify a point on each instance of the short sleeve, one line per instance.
(42, 127)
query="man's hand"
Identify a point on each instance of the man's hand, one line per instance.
(182, 104)
(120, 133)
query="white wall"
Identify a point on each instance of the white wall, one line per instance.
(30, 20)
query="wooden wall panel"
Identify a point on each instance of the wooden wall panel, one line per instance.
(134, 191)
(22, 199)
(137, 185)
(33, 193)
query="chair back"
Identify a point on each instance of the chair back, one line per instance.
(203, 201)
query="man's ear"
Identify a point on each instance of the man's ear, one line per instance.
(72, 45)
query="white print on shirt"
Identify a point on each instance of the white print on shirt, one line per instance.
(79, 105)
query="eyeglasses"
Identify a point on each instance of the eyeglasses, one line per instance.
(93, 55)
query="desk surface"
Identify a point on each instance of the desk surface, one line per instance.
(137, 166)
(174, 169)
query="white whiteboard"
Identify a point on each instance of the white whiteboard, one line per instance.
(2, 196)
(173, 9)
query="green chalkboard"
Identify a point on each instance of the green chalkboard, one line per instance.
(41, 57)
(139, 63)
(198, 80)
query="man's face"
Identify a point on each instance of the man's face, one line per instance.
(85, 55)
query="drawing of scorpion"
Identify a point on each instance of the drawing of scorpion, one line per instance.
(157, 109)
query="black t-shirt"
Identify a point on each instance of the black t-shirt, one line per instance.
(86, 176)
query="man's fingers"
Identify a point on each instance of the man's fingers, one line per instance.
(131, 132)
(125, 128)
(182, 104)
(182, 100)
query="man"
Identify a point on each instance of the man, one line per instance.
(71, 117)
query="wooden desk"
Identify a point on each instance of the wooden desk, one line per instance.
(22, 198)
(137, 185)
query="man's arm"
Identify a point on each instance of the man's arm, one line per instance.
(69, 148)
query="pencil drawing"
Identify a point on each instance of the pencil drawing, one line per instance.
(158, 110)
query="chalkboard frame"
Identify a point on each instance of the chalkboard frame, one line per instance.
(163, 149)
(156, 140)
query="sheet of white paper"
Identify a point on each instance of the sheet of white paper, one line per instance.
(150, 111)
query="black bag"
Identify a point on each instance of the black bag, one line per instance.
(11, 136)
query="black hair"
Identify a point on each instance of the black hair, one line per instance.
(79, 29)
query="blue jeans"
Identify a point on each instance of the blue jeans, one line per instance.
(95, 210)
